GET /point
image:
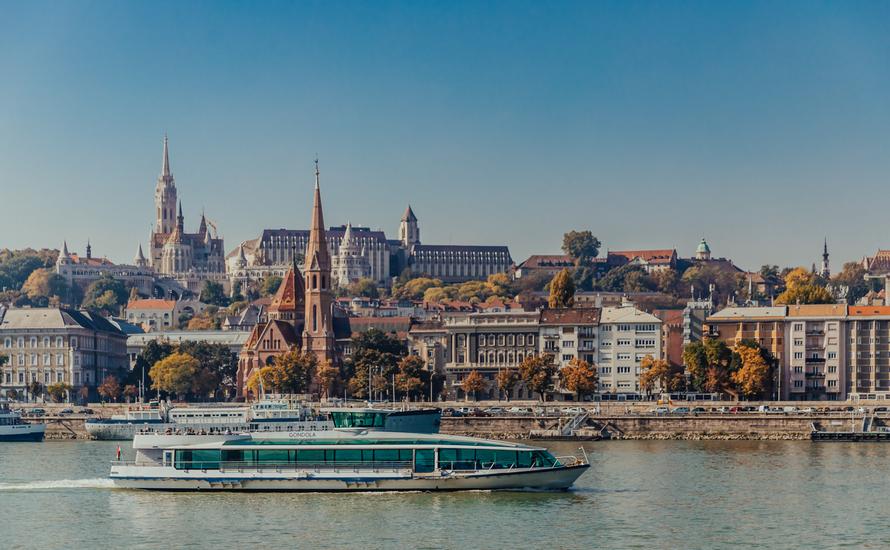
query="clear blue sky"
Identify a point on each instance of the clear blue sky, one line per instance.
(761, 126)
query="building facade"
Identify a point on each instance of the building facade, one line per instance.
(85, 270)
(627, 336)
(50, 346)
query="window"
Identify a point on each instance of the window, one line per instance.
(625, 328)
(798, 341)
(604, 370)
(624, 342)
(832, 383)
(623, 356)
(568, 344)
(59, 342)
(20, 342)
(33, 342)
(46, 341)
(832, 369)
(798, 383)
(73, 342)
(531, 339)
(21, 360)
(798, 370)
(798, 327)
(644, 343)
(622, 370)
(511, 340)
(33, 360)
(798, 355)
(46, 360)
(60, 359)
(832, 355)
(7, 343)
(520, 340)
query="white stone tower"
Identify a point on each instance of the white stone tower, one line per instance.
(165, 197)
(409, 231)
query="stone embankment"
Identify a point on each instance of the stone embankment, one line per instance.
(611, 422)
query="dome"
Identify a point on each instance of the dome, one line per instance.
(703, 248)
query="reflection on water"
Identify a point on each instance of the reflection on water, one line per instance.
(648, 494)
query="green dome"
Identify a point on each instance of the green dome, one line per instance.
(703, 248)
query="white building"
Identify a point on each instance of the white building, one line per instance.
(627, 335)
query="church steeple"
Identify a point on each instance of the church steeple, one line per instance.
(409, 232)
(318, 333)
(180, 220)
(165, 195)
(825, 272)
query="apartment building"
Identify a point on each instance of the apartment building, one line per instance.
(626, 336)
(815, 347)
(867, 352)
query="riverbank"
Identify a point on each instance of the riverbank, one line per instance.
(639, 427)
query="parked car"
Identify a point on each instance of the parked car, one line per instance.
(36, 412)
(661, 410)
(680, 410)
(519, 410)
(85, 410)
(572, 410)
(66, 411)
(479, 413)
(495, 410)
(698, 410)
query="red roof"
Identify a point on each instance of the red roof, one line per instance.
(151, 303)
(662, 256)
(570, 316)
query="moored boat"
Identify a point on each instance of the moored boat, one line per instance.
(14, 428)
(347, 458)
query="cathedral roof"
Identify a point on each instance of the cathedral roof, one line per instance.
(409, 216)
(289, 296)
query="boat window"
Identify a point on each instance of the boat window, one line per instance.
(348, 455)
(273, 456)
(197, 459)
(310, 457)
(386, 455)
(424, 460)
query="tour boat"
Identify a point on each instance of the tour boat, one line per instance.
(360, 454)
(266, 415)
(13, 428)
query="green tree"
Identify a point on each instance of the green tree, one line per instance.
(537, 371)
(581, 246)
(221, 363)
(269, 286)
(43, 285)
(696, 361)
(106, 294)
(35, 388)
(213, 293)
(562, 290)
(412, 377)
(801, 287)
(614, 279)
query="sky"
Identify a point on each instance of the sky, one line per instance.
(761, 126)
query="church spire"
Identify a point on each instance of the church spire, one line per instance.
(826, 271)
(180, 220)
(317, 249)
(318, 331)
(165, 168)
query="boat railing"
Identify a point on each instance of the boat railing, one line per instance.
(242, 466)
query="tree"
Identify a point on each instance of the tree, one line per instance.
(202, 321)
(130, 392)
(269, 285)
(58, 391)
(562, 290)
(292, 371)
(753, 377)
(84, 393)
(110, 388)
(219, 361)
(213, 293)
(35, 388)
(412, 377)
(801, 288)
(537, 372)
(582, 246)
(364, 287)
(326, 378)
(175, 374)
(850, 283)
(656, 373)
(43, 285)
(579, 377)
(260, 380)
(507, 380)
(106, 294)
(414, 289)
(440, 293)
(696, 362)
(473, 383)
(614, 280)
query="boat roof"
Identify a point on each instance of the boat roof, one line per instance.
(358, 438)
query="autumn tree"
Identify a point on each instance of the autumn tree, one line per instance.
(365, 287)
(473, 383)
(107, 295)
(293, 371)
(581, 246)
(414, 289)
(326, 378)
(537, 371)
(43, 286)
(696, 361)
(753, 376)
(130, 392)
(36, 389)
(175, 374)
(851, 283)
(58, 391)
(260, 380)
(413, 378)
(507, 379)
(562, 290)
(110, 388)
(801, 287)
(579, 377)
(658, 373)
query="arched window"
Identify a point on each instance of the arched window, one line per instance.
(314, 281)
(314, 317)
(491, 357)
(500, 358)
(482, 357)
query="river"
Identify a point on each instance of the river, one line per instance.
(637, 494)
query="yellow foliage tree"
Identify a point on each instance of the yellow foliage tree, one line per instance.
(579, 377)
(175, 374)
(562, 290)
(801, 288)
(507, 380)
(751, 379)
(326, 378)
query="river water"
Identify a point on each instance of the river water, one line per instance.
(658, 494)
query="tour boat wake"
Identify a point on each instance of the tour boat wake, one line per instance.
(43, 485)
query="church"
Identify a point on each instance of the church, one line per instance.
(302, 315)
(188, 258)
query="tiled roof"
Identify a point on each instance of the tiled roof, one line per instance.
(626, 314)
(543, 261)
(775, 312)
(662, 256)
(670, 316)
(151, 303)
(570, 316)
(460, 248)
(52, 318)
(289, 295)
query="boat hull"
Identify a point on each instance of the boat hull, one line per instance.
(26, 432)
(541, 479)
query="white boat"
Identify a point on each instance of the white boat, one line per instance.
(347, 458)
(13, 428)
(260, 417)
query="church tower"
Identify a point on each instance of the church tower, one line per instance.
(826, 272)
(165, 197)
(409, 232)
(318, 334)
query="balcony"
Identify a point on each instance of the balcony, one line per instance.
(815, 332)
(815, 375)
(815, 360)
